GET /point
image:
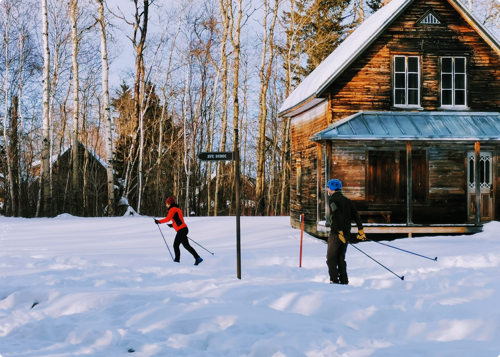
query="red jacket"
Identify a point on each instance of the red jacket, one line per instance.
(175, 215)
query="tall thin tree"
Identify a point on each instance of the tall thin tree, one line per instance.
(7, 22)
(107, 111)
(235, 41)
(44, 174)
(76, 110)
(264, 76)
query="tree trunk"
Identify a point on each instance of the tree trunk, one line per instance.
(45, 184)
(187, 161)
(264, 75)
(139, 78)
(11, 207)
(235, 40)
(225, 33)
(20, 114)
(211, 136)
(107, 112)
(76, 202)
(14, 167)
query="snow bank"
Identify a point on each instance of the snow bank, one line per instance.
(105, 286)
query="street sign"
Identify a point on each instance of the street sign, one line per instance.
(231, 156)
(216, 156)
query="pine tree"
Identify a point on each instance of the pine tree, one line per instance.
(324, 30)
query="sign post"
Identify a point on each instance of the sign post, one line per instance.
(231, 156)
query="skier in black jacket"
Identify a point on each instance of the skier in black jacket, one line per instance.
(342, 212)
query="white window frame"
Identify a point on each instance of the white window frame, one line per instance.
(453, 105)
(406, 105)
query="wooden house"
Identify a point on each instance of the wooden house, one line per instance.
(405, 113)
(93, 181)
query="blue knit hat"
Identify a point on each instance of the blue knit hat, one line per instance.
(334, 185)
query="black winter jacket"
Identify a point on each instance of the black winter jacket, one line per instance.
(342, 212)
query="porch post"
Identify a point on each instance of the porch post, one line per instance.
(477, 178)
(328, 159)
(318, 184)
(409, 185)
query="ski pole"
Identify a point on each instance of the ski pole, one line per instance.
(195, 241)
(387, 245)
(400, 277)
(201, 246)
(165, 242)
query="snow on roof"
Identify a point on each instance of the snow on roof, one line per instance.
(314, 84)
(55, 157)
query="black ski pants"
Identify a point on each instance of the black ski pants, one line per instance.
(335, 259)
(181, 238)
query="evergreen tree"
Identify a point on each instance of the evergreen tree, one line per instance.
(325, 29)
(315, 28)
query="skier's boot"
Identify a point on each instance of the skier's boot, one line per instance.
(198, 261)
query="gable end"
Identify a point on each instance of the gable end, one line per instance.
(429, 18)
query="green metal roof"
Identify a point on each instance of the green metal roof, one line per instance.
(462, 126)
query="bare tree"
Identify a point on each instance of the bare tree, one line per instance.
(44, 174)
(7, 9)
(107, 110)
(235, 41)
(75, 200)
(264, 76)
(225, 16)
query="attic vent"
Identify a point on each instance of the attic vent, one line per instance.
(430, 19)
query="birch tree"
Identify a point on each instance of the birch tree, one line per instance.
(7, 8)
(107, 110)
(76, 110)
(44, 174)
(225, 17)
(235, 42)
(264, 77)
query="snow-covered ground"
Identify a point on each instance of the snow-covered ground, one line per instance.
(105, 286)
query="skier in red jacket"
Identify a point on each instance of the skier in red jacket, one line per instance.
(175, 215)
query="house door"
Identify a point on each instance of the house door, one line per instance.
(486, 184)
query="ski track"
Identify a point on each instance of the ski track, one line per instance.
(100, 286)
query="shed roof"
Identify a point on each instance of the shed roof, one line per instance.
(423, 126)
(354, 45)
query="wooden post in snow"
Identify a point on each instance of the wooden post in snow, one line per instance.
(409, 185)
(477, 179)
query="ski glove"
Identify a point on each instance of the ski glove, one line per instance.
(170, 225)
(156, 221)
(341, 236)
(361, 235)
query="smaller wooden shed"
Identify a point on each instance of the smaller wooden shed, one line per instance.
(93, 180)
(413, 172)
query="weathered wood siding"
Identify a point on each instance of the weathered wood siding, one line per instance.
(304, 178)
(367, 83)
(446, 202)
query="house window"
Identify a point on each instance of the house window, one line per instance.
(386, 176)
(453, 81)
(406, 81)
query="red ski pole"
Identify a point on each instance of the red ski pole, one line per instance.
(301, 237)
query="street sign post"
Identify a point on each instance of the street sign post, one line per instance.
(231, 156)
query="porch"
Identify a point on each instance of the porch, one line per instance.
(418, 172)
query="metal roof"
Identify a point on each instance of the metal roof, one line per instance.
(462, 126)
